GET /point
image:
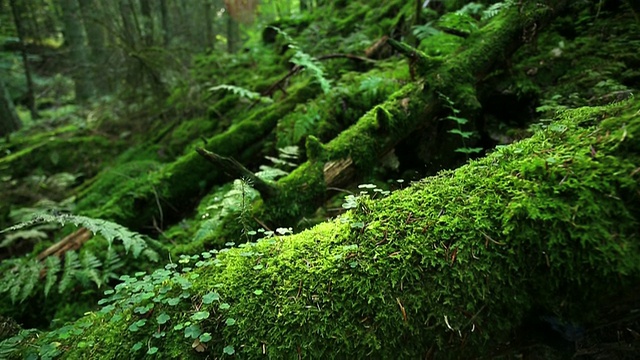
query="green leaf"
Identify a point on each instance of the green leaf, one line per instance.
(206, 337)
(173, 301)
(200, 315)
(192, 331)
(224, 306)
(137, 346)
(230, 321)
(229, 350)
(137, 325)
(210, 297)
(152, 350)
(163, 318)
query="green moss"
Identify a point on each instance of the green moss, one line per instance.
(546, 224)
(56, 154)
(135, 203)
(354, 94)
(110, 180)
(187, 132)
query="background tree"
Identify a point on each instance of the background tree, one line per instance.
(95, 29)
(30, 97)
(78, 57)
(9, 121)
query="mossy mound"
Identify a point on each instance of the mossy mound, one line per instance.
(451, 265)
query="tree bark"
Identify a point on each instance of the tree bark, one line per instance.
(148, 27)
(91, 13)
(78, 54)
(166, 23)
(31, 98)
(233, 35)
(9, 120)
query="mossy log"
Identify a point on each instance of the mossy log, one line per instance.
(448, 267)
(418, 105)
(174, 189)
(59, 152)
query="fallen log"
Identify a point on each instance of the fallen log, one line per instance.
(446, 268)
(418, 105)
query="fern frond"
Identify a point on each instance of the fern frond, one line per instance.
(289, 152)
(424, 31)
(493, 10)
(109, 230)
(52, 266)
(90, 265)
(112, 262)
(270, 173)
(242, 92)
(314, 67)
(71, 266)
(30, 275)
(471, 9)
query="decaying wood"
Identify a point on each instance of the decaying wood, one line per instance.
(70, 242)
(338, 173)
(237, 170)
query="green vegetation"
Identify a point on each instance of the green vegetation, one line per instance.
(313, 179)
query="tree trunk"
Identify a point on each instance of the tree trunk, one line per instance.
(233, 35)
(209, 19)
(75, 39)
(31, 99)
(9, 120)
(148, 28)
(131, 34)
(449, 268)
(166, 23)
(91, 14)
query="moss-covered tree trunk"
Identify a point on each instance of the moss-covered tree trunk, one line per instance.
(443, 84)
(449, 267)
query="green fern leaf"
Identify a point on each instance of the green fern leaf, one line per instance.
(90, 265)
(30, 275)
(313, 66)
(112, 262)
(52, 265)
(71, 269)
(270, 173)
(111, 231)
(242, 92)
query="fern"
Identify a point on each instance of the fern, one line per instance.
(71, 268)
(89, 273)
(109, 230)
(22, 276)
(112, 262)
(424, 31)
(306, 61)
(314, 67)
(305, 123)
(494, 10)
(471, 9)
(242, 92)
(52, 265)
